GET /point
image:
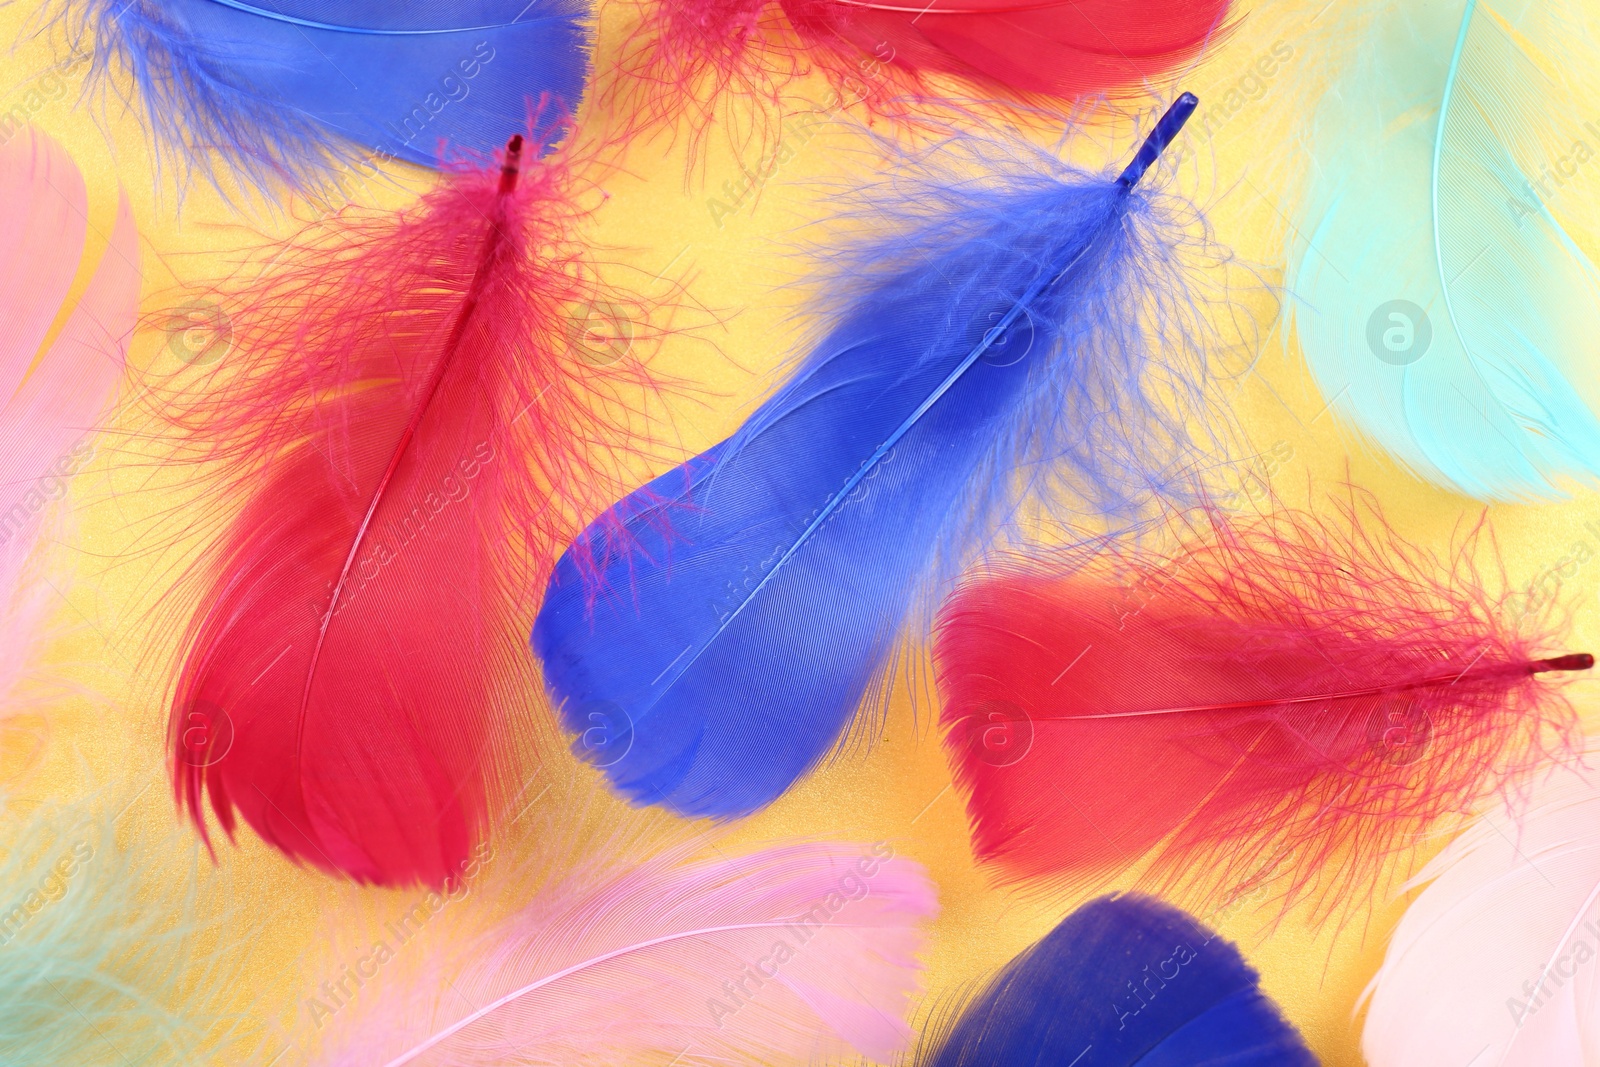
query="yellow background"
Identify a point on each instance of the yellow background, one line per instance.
(108, 734)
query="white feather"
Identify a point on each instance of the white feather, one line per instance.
(1497, 962)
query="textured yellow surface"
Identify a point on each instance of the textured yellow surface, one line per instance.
(108, 732)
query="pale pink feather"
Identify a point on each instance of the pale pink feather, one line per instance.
(790, 954)
(50, 400)
(1497, 962)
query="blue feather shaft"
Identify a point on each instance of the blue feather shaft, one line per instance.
(284, 91)
(764, 584)
(1121, 981)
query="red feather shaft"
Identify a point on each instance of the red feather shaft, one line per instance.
(491, 242)
(408, 432)
(1288, 696)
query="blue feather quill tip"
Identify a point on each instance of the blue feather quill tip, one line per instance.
(1123, 980)
(1008, 342)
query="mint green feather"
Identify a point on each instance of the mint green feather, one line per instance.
(97, 964)
(1447, 165)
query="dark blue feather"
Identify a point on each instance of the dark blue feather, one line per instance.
(282, 90)
(1122, 981)
(997, 349)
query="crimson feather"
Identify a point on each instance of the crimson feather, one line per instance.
(1294, 696)
(410, 428)
(684, 55)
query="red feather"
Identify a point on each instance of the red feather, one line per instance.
(1066, 49)
(684, 53)
(1292, 696)
(409, 430)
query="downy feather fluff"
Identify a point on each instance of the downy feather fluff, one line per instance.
(1496, 961)
(683, 55)
(1122, 981)
(791, 954)
(1287, 700)
(279, 92)
(51, 398)
(407, 431)
(1016, 336)
(1445, 298)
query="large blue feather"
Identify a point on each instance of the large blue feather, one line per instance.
(1000, 346)
(1121, 981)
(284, 89)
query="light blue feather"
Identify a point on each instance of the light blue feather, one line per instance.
(1430, 156)
(279, 92)
(1003, 342)
(1122, 981)
(99, 965)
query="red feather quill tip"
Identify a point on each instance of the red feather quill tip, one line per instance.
(882, 54)
(411, 425)
(1290, 700)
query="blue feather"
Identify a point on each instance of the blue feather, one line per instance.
(1445, 302)
(284, 90)
(1121, 981)
(998, 349)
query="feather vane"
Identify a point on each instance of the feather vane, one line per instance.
(1122, 981)
(279, 92)
(53, 397)
(761, 588)
(1494, 959)
(1294, 696)
(1444, 302)
(408, 431)
(794, 952)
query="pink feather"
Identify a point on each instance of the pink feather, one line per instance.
(1497, 961)
(790, 954)
(53, 397)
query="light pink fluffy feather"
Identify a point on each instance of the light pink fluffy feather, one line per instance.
(51, 400)
(1497, 962)
(789, 954)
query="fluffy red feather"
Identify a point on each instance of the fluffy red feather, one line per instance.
(685, 53)
(1293, 697)
(410, 427)
(1066, 49)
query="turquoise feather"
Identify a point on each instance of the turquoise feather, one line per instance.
(97, 964)
(1433, 157)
